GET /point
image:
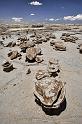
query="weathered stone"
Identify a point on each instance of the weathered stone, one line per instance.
(7, 66)
(22, 38)
(66, 34)
(31, 53)
(13, 44)
(38, 40)
(1, 43)
(38, 59)
(59, 46)
(41, 74)
(52, 36)
(52, 42)
(53, 66)
(69, 39)
(26, 45)
(28, 71)
(49, 90)
(38, 51)
(13, 55)
(80, 48)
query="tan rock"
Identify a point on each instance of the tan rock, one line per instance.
(14, 55)
(49, 91)
(41, 74)
(59, 46)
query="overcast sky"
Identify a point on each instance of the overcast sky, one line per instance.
(42, 10)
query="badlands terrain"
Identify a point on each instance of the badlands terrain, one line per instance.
(52, 41)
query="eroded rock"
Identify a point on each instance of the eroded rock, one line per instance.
(26, 45)
(28, 71)
(39, 59)
(59, 46)
(53, 66)
(52, 42)
(7, 66)
(32, 52)
(14, 54)
(41, 74)
(80, 48)
(50, 92)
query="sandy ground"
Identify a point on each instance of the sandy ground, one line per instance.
(17, 102)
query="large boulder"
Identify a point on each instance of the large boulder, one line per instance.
(50, 92)
(31, 54)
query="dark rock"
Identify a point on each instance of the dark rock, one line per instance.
(7, 66)
(28, 71)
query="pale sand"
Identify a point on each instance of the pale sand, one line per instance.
(17, 103)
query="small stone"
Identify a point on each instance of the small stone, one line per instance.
(14, 84)
(7, 66)
(28, 71)
(39, 59)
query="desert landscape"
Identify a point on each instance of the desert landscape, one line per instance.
(40, 73)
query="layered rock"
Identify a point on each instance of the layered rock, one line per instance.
(49, 91)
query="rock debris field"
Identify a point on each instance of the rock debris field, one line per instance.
(41, 75)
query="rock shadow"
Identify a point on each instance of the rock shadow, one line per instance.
(53, 111)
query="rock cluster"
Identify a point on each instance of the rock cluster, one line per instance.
(49, 90)
(68, 38)
(40, 37)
